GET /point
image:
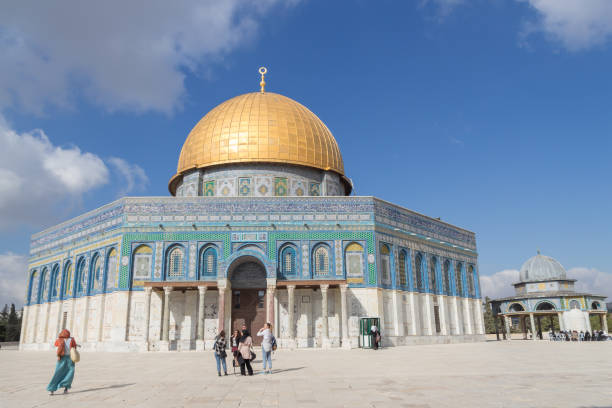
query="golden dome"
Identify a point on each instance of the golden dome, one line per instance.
(259, 127)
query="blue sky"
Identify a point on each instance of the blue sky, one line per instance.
(493, 115)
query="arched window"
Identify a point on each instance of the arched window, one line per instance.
(44, 285)
(111, 269)
(321, 260)
(287, 261)
(354, 260)
(96, 272)
(80, 277)
(55, 281)
(458, 279)
(446, 280)
(402, 268)
(143, 263)
(545, 306)
(471, 284)
(418, 267)
(385, 263)
(175, 262)
(574, 304)
(433, 265)
(67, 280)
(33, 292)
(516, 307)
(208, 262)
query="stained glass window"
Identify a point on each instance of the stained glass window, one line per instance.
(97, 272)
(385, 264)
(33, 287)
(44, 285)
(433, 264)
(458, 279)
(67, 279)
(402, 268)
(55, 281)
(321, 258)
(111, 268)
(143, 262)
(446, 281)
(209, 262)
(288, 266)
(175, 262)
(470, 276)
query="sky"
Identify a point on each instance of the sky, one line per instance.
(491, 114)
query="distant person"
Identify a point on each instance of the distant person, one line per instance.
(375, 336)
(587, 336)
(234, 346)
(64, 369)
(266, 347)
(244, 352)
(220, 353)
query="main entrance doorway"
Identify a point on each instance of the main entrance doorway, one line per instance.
(248, 280)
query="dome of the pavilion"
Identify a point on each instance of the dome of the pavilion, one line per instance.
(541, 268)
(259, 127)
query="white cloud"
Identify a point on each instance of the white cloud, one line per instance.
(13, 278)
(129, 55)
(39, 180)
(135, 178)
(499, 284)
(592, 280)
(576, 24)
(442, 7)
(589, 280)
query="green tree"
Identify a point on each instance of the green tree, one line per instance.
(13, 329)
(489, 320)
(3, 322)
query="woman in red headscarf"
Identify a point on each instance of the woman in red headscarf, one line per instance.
(64, 369)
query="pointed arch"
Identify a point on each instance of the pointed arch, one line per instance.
(418, 271)
(209, 261)
(33, 286)
(320, 260)
(54, 287)
(402, 257)
(96, 274)
(459, 278)
(433, 281)
(80, 277)
(287, 261)
(175, 262)
(43, 286)
(142, 263)
(67, 280)
(385, 263)
(111, 270)
(353, 260)
(446, 281)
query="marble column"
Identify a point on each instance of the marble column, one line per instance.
(290, 313)
(346, 341)
(442, 315)
(507, 324)
(605, 322)
(412, 329)
(147, 316)
(165, 343)
(324, 317)
(523, 327)
(534, 333)
(455, 314)
(467, 316)
(101, 308)
(270, 303)
(24, 324)
(588, 321)
(201, 318)
(221, 309)
(85, 320)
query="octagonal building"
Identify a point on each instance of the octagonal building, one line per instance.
(259, 227)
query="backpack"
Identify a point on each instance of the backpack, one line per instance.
(274, 345)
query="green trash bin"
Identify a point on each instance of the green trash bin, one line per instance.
(366, 340)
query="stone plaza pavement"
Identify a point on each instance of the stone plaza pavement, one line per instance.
(491, 374)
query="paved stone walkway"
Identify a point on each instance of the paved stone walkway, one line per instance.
(492, 374)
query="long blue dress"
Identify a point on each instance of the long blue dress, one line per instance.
(64, 370)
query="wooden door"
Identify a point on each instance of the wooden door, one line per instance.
(249, 309)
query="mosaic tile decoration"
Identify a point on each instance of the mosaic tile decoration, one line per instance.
(315, 189)
(244, 186)
(281, 187)
(209, 188)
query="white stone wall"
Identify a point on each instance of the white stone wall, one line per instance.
(407, 318)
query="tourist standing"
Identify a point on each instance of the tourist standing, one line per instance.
(375, 337)
(244, 350)
(220, 354)
(234, 345)
(266, 347)
(64, 369)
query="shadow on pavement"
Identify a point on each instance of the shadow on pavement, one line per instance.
(102, 388)
(287, 369)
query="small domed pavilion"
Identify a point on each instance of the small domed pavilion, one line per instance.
(545, 292)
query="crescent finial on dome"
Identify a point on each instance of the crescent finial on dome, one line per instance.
(262, 84)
